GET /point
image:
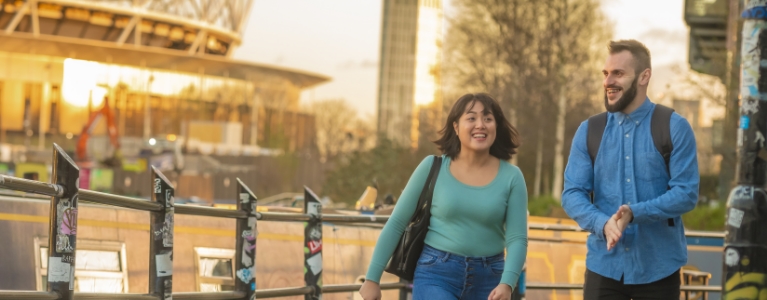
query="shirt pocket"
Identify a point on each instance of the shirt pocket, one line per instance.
(650, 167)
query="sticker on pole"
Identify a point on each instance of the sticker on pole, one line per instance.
(58, 271)
(731, 257)
(735, 217)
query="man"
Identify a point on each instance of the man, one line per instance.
(637, 243)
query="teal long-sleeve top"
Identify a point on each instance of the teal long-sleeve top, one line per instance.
(466, 220)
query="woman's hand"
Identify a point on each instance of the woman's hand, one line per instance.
(370, 290)
(501, 292)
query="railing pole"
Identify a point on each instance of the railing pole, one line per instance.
(403, 291)
(313, 244)
(161, 238)
(247, 231)
(62, 230)
(745, 244)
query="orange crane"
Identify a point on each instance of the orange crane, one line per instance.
(82, 142)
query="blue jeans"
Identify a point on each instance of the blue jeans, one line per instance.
(442, 275)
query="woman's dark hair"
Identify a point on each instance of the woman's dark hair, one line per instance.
(506, 136)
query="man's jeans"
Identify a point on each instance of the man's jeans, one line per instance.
(443, 275)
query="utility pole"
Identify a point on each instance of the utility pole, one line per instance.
(745, 251)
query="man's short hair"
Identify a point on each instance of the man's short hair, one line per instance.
(637, 49)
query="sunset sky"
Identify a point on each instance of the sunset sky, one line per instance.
(340, 39)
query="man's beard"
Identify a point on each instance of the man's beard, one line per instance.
(625, 100)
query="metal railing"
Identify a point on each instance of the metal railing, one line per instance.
(62, 240)
(62, 243)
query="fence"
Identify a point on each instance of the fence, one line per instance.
(62, 241)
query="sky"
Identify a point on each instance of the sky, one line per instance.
(340, 39)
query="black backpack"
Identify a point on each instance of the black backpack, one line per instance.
(660, 128)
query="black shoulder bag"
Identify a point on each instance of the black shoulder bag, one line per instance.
(405, 256)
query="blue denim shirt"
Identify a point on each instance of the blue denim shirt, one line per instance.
(629, 170)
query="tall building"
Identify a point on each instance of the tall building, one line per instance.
(409, 72)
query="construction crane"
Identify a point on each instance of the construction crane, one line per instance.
(82, 142)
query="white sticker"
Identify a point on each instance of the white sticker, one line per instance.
(315, 264)
(731, 257)
(246, 260)
(244, 197)
(58, 271)
(736, 217)
(164, 264)
(313, 208)
(72, 282)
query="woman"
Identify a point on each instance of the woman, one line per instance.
(478, 208)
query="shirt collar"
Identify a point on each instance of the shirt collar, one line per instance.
(637, 115)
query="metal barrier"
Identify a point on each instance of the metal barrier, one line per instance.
(62, 243)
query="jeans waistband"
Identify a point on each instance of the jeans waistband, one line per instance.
(444, 256)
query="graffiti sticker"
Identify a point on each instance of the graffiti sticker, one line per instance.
(62, 244)
(735, 218)
(315, 246)
(168, 292)
(167, 229)
(58, 271)
(157, 186)
(244, 197)
(245, 275)
(168, 198)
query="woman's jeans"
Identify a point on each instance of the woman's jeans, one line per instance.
(443, 275)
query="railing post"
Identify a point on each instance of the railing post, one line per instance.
(745, 243)
(403, 291)
(62, 230)
(247, 231)
(161, 238)
(313, 244)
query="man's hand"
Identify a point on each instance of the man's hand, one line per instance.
(627, 217)
(501, 292)
(612, 231)
(622, 218)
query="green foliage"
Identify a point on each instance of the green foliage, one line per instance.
(705, 217)
(387, 164)
(709, 185)
(543, 206)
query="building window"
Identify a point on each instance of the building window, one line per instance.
(214, 269)
(100, 267)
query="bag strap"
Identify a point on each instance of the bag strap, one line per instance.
(596, 129)
(431, 180)
(660, 128)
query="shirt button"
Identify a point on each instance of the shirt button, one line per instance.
(627, 157)
(627, 249)
(637, 122)
(628, 180)
(627, 135)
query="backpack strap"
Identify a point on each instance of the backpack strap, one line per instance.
(660, 128)
(594, 134)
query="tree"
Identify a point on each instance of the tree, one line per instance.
(387, 164)
(540, 59)
(339, 129)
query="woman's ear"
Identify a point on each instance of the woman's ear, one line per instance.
(455, 127)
